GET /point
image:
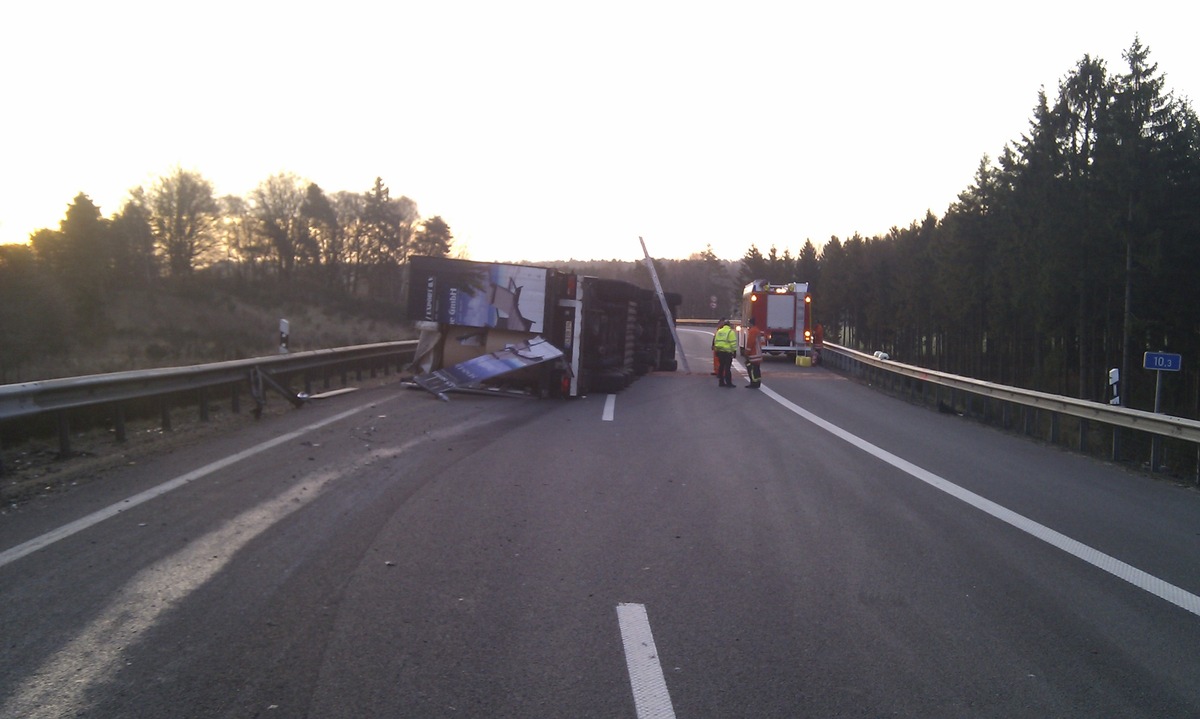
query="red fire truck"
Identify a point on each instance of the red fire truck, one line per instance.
(783, 313)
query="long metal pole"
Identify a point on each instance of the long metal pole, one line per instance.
(662, 299)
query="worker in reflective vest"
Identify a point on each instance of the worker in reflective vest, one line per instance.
(754, 355)
(725, 343)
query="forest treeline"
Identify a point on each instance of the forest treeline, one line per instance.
(288, 238)
(1072, 252)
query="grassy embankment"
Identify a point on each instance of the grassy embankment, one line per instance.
(146, 330)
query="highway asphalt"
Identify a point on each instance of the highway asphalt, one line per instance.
(812, 549)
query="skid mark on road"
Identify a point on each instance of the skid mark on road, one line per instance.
(91, 520)
(61, 685)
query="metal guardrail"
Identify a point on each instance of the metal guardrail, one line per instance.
(29, 399)
(1158, 425)
(60, 396)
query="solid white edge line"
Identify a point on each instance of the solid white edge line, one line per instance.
(650, 696)
(11, 555)
(610, 405)
(1138, 578)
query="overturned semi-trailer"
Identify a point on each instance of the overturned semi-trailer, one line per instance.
(608, 331)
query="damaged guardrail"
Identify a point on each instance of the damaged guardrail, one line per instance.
(948, 390)
(62, 396)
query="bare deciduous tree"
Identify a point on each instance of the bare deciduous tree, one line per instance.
(276, 204)
(183, 214)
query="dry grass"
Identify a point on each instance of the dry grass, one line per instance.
(146, 330)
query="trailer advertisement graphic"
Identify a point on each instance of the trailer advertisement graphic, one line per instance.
(474, 371)
(467, 294)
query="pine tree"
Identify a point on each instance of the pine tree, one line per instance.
(753, 267)
(87, 259)
(324, 233)
(433, 238)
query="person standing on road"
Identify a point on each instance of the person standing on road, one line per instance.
(725, 343)
(754, 355)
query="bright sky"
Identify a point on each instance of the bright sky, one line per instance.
(556, 129)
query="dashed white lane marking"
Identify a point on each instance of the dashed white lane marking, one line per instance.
(11, 555)
(1142, 580)
(650, 696)
(610, 406)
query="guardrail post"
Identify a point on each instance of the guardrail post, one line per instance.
(64, 435)
(1083, 435)
(203, 404)
(166, 414)
(1116, 444)
(235, 399)
(119, 421)
(1054, 428)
